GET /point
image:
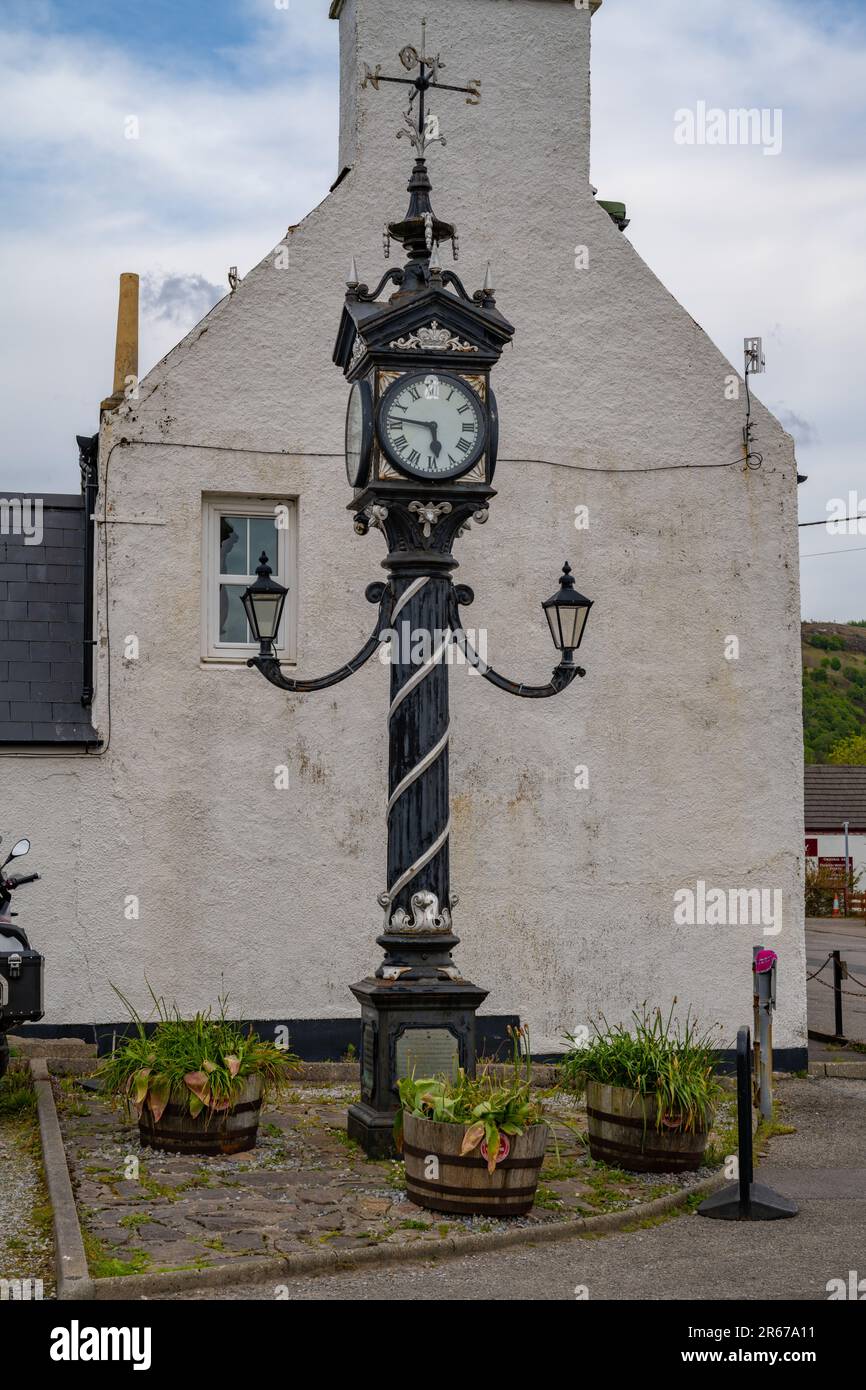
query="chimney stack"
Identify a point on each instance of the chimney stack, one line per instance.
(126, 343)
(531, 58)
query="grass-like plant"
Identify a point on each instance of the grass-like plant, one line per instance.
(671, 1063)
(201, 1063)
(17, 1092)
(487, 1108)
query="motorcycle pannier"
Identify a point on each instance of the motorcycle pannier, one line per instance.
(20, 981)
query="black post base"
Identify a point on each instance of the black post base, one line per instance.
(409, 1026)
(763, 1204)
(373, 1130)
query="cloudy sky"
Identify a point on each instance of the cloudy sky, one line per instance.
(238, 103)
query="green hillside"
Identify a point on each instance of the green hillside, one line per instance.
(834, 685)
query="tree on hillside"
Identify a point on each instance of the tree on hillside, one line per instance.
(851, 751)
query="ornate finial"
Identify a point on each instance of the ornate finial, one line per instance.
(420, 228)
(567, 580)
(354, 279)
(485, 296)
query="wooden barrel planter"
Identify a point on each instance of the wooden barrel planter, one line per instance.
(439, 1179)
(212, 1132)
(623, 1133)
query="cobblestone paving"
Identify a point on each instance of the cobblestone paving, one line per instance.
(304, 1185)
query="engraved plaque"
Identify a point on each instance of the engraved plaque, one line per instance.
(368, 1050)
(427, 1052)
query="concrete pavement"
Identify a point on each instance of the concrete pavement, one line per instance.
(847, 935)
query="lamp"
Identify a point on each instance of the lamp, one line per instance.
(264, 602)
(566, 613)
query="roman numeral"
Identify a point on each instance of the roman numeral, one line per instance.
(452, 459)
(464, 446)
(401, 442)
(471, 428)
(414, 393)
(414, 457)
(431, 462)
(461, 410)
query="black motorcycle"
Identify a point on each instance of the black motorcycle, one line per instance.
(20, 967)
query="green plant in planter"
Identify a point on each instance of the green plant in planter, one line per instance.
(671, 1063)
(201, 1062)
(485, 1107)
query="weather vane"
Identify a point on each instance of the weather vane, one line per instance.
(426, 132)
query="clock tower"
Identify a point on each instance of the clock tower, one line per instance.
(422, 433)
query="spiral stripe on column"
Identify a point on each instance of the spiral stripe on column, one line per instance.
(429, 757)
(427, 761)
(415, 869)
(408, 594)
(420, 675)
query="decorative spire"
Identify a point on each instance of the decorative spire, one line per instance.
(420, 229)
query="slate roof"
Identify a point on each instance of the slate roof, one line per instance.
(42, 627)
(835, 795)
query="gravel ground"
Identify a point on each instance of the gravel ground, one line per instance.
(26, 1246)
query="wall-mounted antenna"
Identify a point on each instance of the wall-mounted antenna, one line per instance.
(753, 349)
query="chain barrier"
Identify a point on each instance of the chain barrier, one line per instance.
(854, 993)
(820, 968)
(849, 976)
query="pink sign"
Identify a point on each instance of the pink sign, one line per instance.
(764, 961)
(504, 1148)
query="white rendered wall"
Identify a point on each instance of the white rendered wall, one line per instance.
(695, 761)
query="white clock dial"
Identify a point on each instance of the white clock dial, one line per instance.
(432, 425)
(359, 433)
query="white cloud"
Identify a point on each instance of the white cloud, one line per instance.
(218, 172)
(231, 151)
(178, 298)
(749, 244)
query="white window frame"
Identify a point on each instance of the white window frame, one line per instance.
(246, 505)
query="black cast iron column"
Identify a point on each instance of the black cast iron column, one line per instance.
(419, 818)
(417, 1010)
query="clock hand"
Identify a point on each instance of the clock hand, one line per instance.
(435, 445)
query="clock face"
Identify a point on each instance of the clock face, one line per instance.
(359, 433)
(432, 425)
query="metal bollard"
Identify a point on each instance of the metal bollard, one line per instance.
(840, 973)
(745, 1199)
(764, 964)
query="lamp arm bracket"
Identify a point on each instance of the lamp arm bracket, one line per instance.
(270, 667)
(561, 679)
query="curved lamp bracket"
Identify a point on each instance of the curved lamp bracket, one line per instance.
(562, 677)
(270, 666)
